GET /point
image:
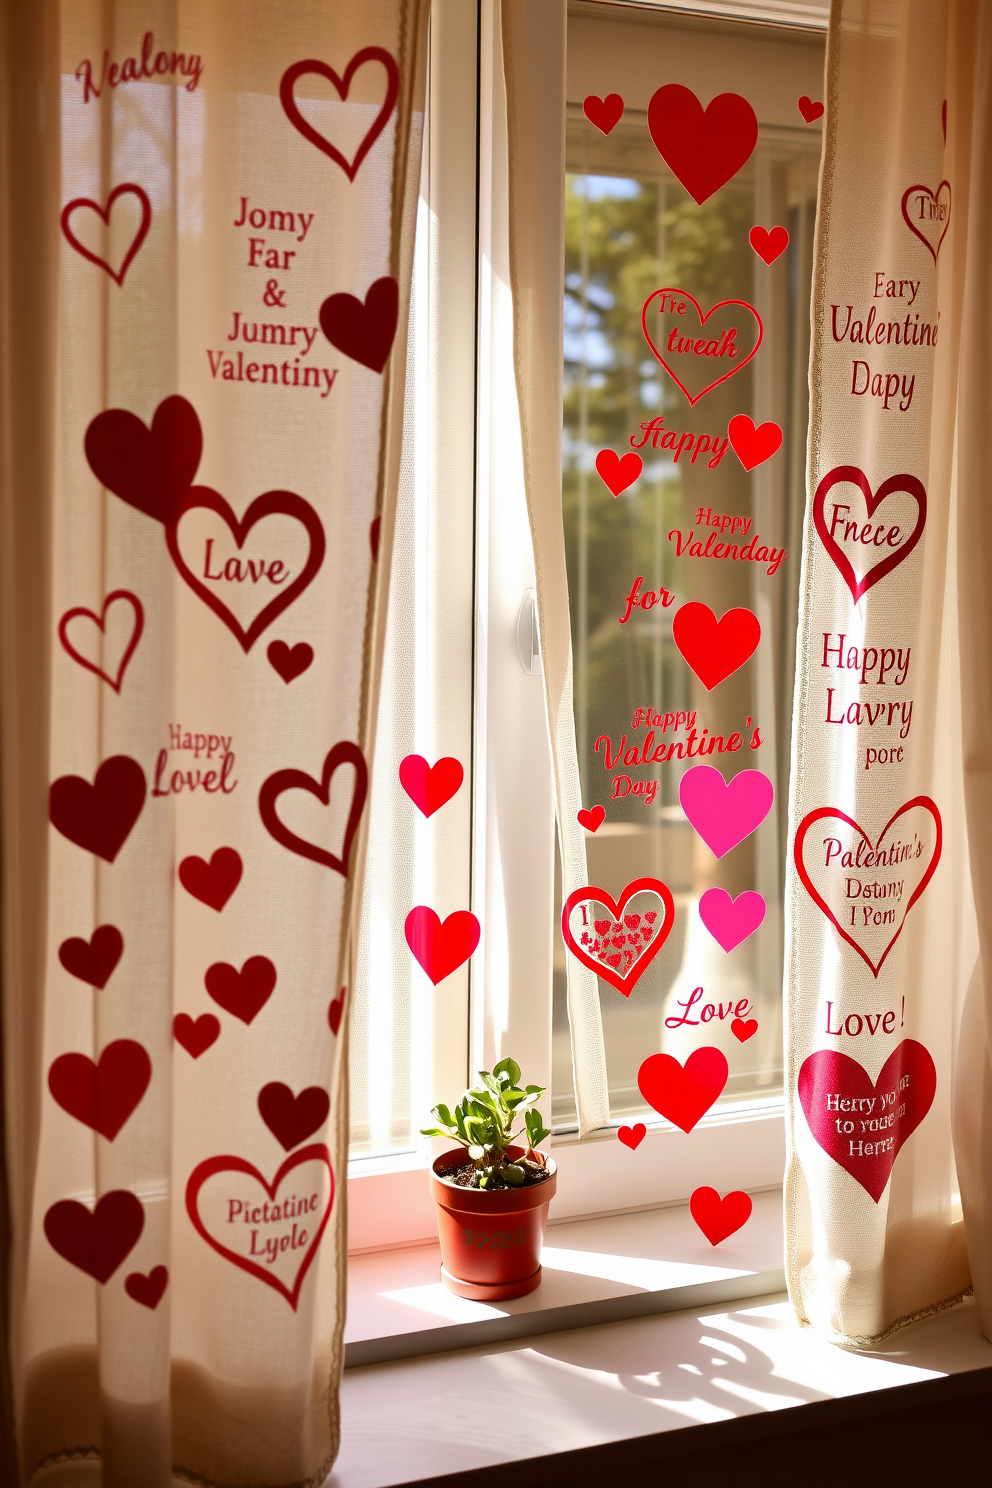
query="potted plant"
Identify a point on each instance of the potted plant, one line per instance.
(492, 1194)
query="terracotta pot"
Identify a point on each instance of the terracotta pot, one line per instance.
(491, 1239)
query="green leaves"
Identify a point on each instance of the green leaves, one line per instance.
(482, 1123)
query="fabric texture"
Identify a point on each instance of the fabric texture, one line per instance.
(208, 216)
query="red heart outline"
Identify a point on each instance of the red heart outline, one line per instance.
(821, 814)
(139, 625)
(94, 960)
(604, 113)
(624, 984)
(908, 484)
(284, 780)
(313, 64)
(683, 294)
(933, 195)
(271, 503)
(212, 1165)
(139, 237)
(592, 819)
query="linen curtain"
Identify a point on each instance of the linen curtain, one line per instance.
(207, 216)
(890, 777)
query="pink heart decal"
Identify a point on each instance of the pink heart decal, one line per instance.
(251, 571)
(313, 65)
(344, 753)
(769, 245)
(93, 960)
(96, 1240)
(703, 147)
(623, 967)
(592, 819)
(616, 472)
(363, 330)
(632, 1136)
(441, 946)
(212, 883)
(99, 817)
(148, 1290)
(694, 349)
(731, 921)
(102, 1096)
(861, 1125)
(724, 812)
(716, 1217)
(683, 1094)
(128, 188)
(119, 596)
(605, 113)
(865, 534)
(753, 445)
(430, 786)
(196, 1035)
(292, 1118)
(928, 214)
(878, 904)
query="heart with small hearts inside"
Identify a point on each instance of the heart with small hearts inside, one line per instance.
(212, 883)
(725, 812)
(618, 472)
(148, 1290)
(335, 1011)
(430, 786)
(810, 110)
(632, 1136)
(242, 993)
(842, 530)
(224, 1193)
(312, 67)
(713, 648)
(620, 947)
(151, 468)
(683, 1094)
(93, 960)
(592, 819)
(344, 753)
(86, 204)
(96, 1240)
(102, 1095)
(127, 640)
(703, 148)
(290, 661)
(692, 346)
(769, 243)
(441, 946)
(196, 1035)
(730, 921)
(292, 1118)
(716, 1217)
(928, 214)
(753, 444)
(363, 329)
(99, 817)
(605, 113)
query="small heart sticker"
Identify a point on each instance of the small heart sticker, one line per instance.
(718, 1218)
(618, 472)
(632, 1136)
(605, 113)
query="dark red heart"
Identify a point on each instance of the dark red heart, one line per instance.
(292, 1118)
(769, 245)
(713, 648)
(430, 786)
(605, 113)
(97, 1240)
(148, 1290)
(321, 69)
(908, 484)
(272, 503)
(212, 883)
(716, 1217)
(93, 960)
(99, 817)
(860, 1125)
(127, 188)
(365, 330)
(102, 1095)
(441, 946)
(683, 1095)
(335, 1011)
(753, 444)
(196, 1035)
(810, 111)
(283, 780)
(243, 993)
(704, 148)
(592, 819)
(289, 661)
(151, 469)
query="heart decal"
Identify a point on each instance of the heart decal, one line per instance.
(716, 1217)
(618, 472)
(290, 107)
(731, 921)
(263, 571)
(605, 113)
(866, 889)
(441, 946)
(150, 468)
(292, 1118)
(99, 817)
(769, 244)
(430, 786)
(713, 648)
(275, 1241)
(290, 661)
(928, 214)
(78, 203)
(743, 1029)
(243, 993)
(703, 148)
(620, 946)
(862, 1125)
(212, 883)
(196, 1034)
(96, 1240)
(102, 1096)
(148, 1290)
(118, 597)
(895, 543)
(688, 354)
(683, 1095)
(724, 812)
(335, 1011)
(753, 445)
(284, 780)
(592, 819)
(810, 111)
(363, 330)
(93, 960)
(632, 1136)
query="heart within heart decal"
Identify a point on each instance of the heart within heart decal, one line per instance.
(270, 1230)
(928, 214)
(287, 98)
(869, 548)
(866, 889)
(700, 351)
(862, 1125)
(618, 946)
(224, 577)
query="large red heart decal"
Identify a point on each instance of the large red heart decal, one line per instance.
(96, 1240)
(313, 65)
(344, 753)
(689, 355)
(863, 1125)
(928, 214)
(149, 467)
(713, 648)
(363, 329)
(273, 1239)
(867, 539)
(683, 1094)
(128, 188)
(617, 946)
(99, 817)
(118, 598)
(102, 1095)
(703, 147)
(866, 889)
(233, 576)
